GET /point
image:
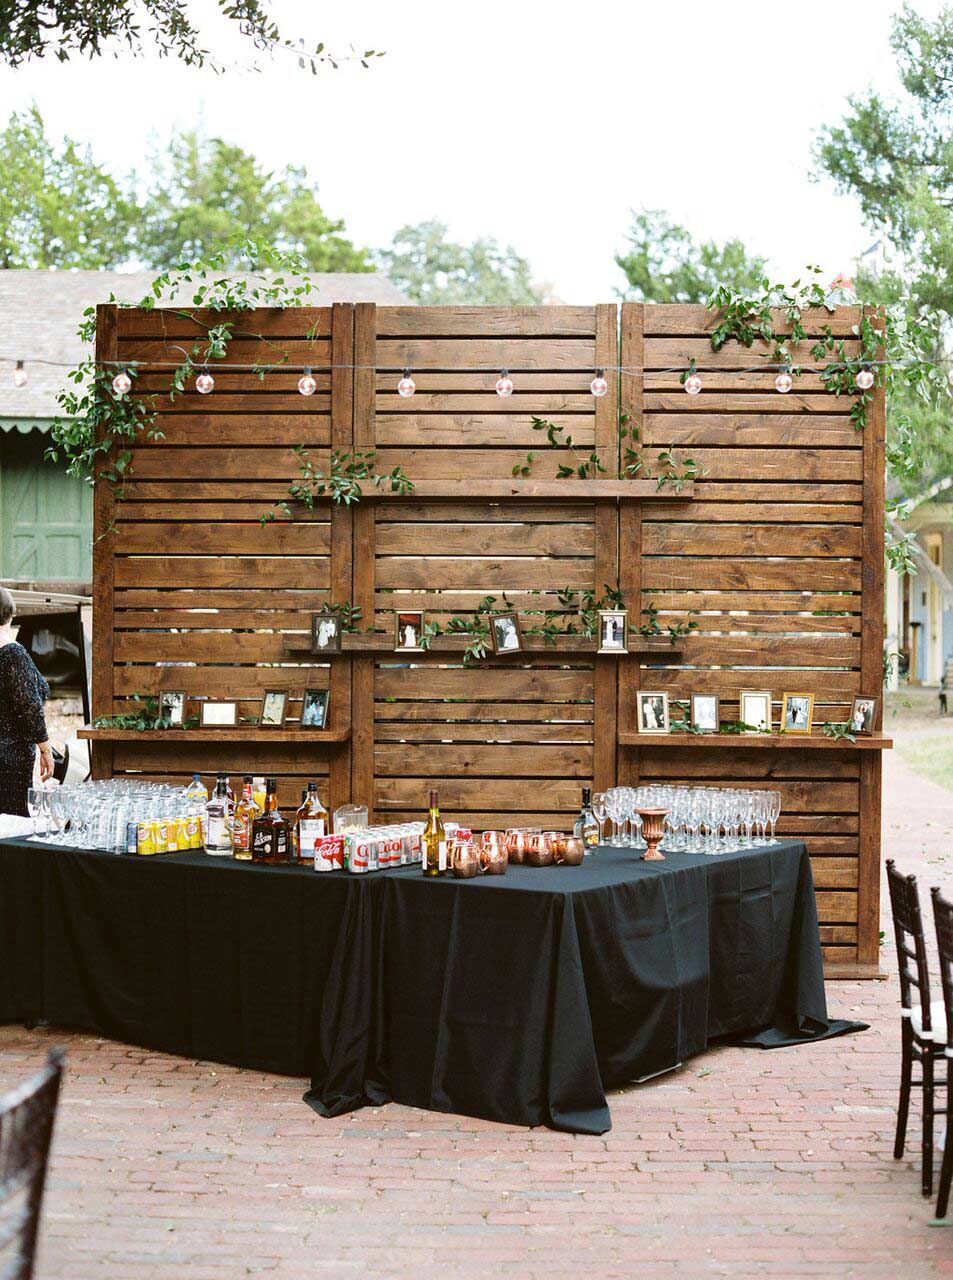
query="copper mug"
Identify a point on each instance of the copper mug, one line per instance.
(493, 854)
(539, 849)
(517, 842)
(571, 851)
(464, 859)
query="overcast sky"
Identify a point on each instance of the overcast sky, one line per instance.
(536, 121)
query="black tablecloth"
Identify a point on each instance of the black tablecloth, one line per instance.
(519, 998)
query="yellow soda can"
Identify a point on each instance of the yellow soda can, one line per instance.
(145, 838)
(160, 827)
(194, 831)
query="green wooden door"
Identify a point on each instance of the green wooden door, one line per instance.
(46, 516)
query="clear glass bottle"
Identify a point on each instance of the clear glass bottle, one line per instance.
(218, 827)
(586, 826)
(311, 822)
(433, 842)
(196, 790)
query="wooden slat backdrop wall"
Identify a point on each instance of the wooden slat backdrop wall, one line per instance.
(779, 552)
(771, 553)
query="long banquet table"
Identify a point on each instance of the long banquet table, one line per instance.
(520, 998)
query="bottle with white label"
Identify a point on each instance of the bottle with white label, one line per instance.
(218, 826)
(311, 823)
(433, 842)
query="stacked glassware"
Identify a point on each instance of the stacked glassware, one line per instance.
(709, 820)
(115, 814)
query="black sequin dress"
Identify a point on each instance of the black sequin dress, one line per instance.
(23, 691)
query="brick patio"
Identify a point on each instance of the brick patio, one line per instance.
(742, 1163)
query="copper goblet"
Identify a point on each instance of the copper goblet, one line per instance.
(653, 828)
(493, 855)
(571, 852)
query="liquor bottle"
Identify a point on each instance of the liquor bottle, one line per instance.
(229, 795)
(586, 826)
(433, 842)
(259, 793)
(311, 822)
(271, 833)
(218, 828)
(246, 811)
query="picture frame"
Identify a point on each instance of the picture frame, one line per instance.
(172, 704)
(409, 630)
(274, 708)
(218, 715)
(325, 632)
(314, 708)
(505, 634)
(652, 711)
(863, 715)
(797, 712)
(613, 631)
(755, 708)
(706, 712)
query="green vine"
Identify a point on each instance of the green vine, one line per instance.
(341, 482)
(839, 732)
(584, 467)
(145, 718)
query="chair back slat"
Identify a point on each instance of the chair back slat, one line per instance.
(943, 918)
(26, 1130)
(908, 929)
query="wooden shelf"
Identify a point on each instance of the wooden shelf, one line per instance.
(380, 642)
(496, 488)
(229, 733)
(712, 741)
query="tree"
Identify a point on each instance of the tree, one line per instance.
(666, 264)
(438, 272)
(205, 194)
(896, 159)
(58, 208)
(34, 28)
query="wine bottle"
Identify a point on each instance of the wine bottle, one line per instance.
(586, 826)
(433, 843)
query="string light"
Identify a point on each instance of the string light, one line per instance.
(19, 375)
(122, 383)
(504, 384)
(598, 386)
(204, 383)
(693, 384)
(865, 379)
(784, 381)
(406, 386)
(306, 384)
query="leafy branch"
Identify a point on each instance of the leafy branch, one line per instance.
(584, 467)
(839, 732)
(145, 718)
(341, 482)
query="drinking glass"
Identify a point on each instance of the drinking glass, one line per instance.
(600, 813)
(35, 803)
(774, 812)
(616, 806)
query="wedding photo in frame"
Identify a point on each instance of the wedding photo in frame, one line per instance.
(706, 712)
(797, 712)
(652, 711)
(325, 633)
(172, 706)
(613, 626)
(755, 710)
(409, 631)
(274, 708)
(314, 708)
(505, 634)
(863, 715)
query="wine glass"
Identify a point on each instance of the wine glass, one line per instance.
(35, 803)
(600, 812)
(616, 806)
(774, 812)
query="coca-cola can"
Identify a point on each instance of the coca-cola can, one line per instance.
(329, 853)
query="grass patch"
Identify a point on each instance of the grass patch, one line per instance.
(930, 757)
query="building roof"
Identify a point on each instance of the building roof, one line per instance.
(40, 312)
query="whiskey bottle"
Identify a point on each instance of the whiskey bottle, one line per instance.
(246, 811)
(433, 842)
(271, 833)
(218, 827)
(311, 823)
(586, 826)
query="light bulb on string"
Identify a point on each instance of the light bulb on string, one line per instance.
(692, 382)
(306, 384)
(784, 381)
(122, 383)
(19, 375)
(504, 384)
(204, 383)
(406, 386)
(865, 379)
(598, 386)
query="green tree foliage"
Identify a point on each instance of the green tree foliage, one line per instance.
(896, 158)
(436, 271)
(32, 29)
(58, 207)
(204, 194)
(664, 262)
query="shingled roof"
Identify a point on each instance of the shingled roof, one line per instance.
(40, 312)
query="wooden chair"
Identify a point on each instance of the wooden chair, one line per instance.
(943, 918)
(924, 1023)
(26, 1127)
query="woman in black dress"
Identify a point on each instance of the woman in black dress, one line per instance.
(23, 692)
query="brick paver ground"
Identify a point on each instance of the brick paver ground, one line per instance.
(743, 1163)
